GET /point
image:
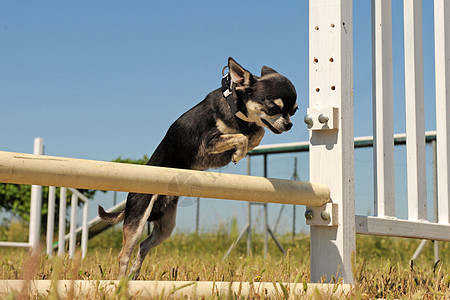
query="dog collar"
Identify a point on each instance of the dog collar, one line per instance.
(227, 91)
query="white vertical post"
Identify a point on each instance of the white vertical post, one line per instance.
(249, 214)
(36, 203)
(85, 232)
(442, 65)
(197, 216)
(383, 116)
(415, 117)
(62, 221)
(266, 239)
(50, 220)
(73, 225)
(435, 197)
(331, 151)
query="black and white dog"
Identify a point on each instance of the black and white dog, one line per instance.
(222, 128)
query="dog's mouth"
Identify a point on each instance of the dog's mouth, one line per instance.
(273, 129)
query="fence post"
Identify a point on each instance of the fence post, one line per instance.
(85, 231)
(331, 151)
(442, 55)
(73, 225)
(50, 220)
(36, 203)
(62, 221)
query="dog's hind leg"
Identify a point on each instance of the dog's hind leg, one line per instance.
(132, 231)
(162, 229)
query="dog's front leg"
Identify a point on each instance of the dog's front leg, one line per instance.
(227, 142)
(255, 138)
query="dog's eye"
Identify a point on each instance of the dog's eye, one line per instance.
(273, 110)
(293, 111)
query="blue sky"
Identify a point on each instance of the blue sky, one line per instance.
(105, 79)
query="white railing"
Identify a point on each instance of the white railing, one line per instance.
(331, 145)
(35, 218)
(62, 237)
(384, 222)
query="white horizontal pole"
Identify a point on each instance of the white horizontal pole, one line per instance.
(174, 289)
(89, 174)
(402, 228)
(15, 244)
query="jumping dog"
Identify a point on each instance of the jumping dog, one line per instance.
(222, 128)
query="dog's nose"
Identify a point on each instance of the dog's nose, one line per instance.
(288, 125)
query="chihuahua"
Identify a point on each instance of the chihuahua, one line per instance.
(222, 128)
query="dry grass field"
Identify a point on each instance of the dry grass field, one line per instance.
(382, 268)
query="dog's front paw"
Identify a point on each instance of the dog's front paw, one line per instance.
(238, 155)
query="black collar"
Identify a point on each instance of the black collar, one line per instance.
(227, 91)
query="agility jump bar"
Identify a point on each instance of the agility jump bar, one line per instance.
(46, 170)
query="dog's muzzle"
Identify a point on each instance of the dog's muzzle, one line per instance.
(286, 125)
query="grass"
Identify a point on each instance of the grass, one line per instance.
(382, 268)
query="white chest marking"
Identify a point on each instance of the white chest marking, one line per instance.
(224, 129)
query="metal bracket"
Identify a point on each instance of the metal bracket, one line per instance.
(322, 119)
(325, 215)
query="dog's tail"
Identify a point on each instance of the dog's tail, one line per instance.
(112, 217)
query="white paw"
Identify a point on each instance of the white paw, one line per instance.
(237, 156)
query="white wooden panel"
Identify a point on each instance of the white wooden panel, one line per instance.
(402, 228)
(331, 151)
(442, 56)
(415, 117)
(383, 127)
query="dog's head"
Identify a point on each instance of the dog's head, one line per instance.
(268, 100)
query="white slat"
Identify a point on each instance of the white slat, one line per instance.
(442, 56)
(73, 225)
(50, 219)
(85, 232)
(36, 203)
(382, 97)
(415, 117)
(62, 221)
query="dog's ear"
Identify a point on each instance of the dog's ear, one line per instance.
(267, 70)
(240, 76)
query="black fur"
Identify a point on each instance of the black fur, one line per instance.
(195, 140)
